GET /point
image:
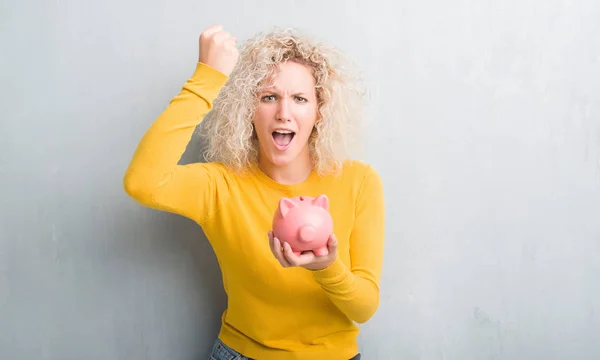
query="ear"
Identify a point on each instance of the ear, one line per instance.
(285, 205)
(322, 201)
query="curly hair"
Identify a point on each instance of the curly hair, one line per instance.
(228, 127)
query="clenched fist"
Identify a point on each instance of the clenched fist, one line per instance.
(217, 49)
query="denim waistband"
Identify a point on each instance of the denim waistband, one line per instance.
(220, 351)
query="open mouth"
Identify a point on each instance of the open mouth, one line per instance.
(283, 138)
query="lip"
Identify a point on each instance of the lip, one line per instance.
(282, 129)
(279, 147)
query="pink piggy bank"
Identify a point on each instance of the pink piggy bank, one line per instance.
(304, 223)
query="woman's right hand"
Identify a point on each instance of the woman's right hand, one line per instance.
(217, 49)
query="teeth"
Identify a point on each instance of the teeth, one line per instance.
(283, 131)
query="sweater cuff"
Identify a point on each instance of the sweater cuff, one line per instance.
(207, 81)
(334, 273)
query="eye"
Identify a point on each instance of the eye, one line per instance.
(268, 98)
(301, 99)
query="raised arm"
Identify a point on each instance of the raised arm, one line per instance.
(153, 177)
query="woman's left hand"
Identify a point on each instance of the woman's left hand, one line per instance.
(308, 260)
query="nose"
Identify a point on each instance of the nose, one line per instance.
(284, 112)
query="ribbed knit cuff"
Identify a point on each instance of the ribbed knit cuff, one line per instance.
(206, 81)
(335, 273)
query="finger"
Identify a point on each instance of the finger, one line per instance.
(297, 260)
(221, 36)
(332, 244)
(306, 258)
(279, 254)
(212, 29)
(230, 42)
(271, 241)
(289, 254)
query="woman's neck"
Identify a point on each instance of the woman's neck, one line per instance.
(295, 172)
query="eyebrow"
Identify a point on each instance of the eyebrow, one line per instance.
(273, 88)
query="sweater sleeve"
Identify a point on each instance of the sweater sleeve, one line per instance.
(154, 178)
(355, 290)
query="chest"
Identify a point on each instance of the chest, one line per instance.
(247, 216)
(256, 209)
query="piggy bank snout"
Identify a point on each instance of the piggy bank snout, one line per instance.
(307, 233)
(303, 222)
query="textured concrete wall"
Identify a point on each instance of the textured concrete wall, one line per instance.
(486, 131)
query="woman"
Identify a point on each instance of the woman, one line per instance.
(280, 115)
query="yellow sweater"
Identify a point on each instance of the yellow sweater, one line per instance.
(272, 312)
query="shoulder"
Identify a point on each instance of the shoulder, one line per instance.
(211, 167)
(361, 178)
(368, 190)
(360, 170)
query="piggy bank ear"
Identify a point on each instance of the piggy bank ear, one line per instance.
(285, 205)
(321, 201)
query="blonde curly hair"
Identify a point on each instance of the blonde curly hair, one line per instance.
(228, 127)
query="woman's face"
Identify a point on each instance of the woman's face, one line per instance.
(286, 115)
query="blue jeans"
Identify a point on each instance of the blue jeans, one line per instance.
(220, 351)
